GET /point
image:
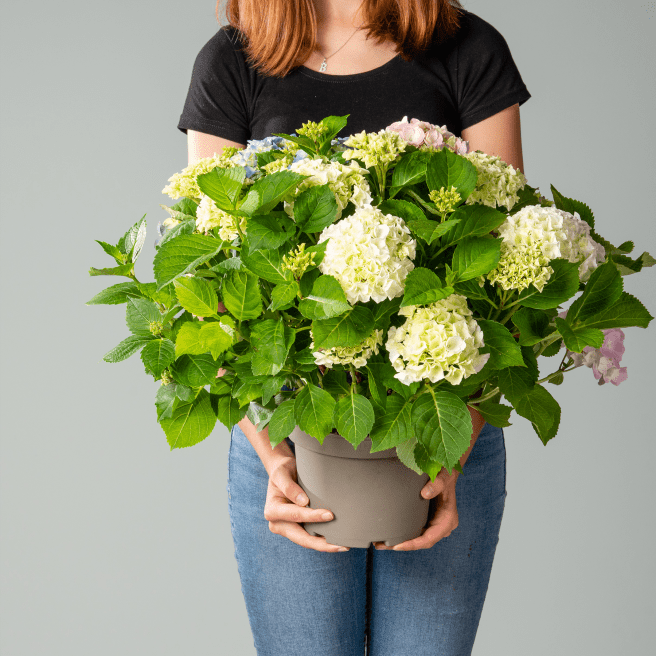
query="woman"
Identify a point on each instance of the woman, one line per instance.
(276, 66)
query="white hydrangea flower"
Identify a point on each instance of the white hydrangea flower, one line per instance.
(208, 216)
(534, 236)
(370, 253)
(346, 181)
(375, 148)
(497, 183)
(356, 355)
(437, 341)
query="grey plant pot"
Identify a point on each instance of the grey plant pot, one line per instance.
(373, 496)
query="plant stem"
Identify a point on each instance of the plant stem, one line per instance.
(422, 202)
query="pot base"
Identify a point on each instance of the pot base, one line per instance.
(391, 542)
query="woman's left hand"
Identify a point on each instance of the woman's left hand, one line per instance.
(445, 519)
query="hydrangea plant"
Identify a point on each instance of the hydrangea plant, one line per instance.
(375, 285)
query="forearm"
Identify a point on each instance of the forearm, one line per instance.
(262, 445)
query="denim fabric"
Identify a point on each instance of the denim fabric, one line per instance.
(301, 601)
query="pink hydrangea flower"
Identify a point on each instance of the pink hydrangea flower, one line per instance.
(605, 360)
(421, 133)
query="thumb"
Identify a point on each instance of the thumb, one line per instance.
(433, 488)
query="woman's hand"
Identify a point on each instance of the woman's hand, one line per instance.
(284, 508)
(445, 519)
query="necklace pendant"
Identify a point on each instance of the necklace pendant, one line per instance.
(322, 68)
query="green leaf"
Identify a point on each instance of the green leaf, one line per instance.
(334, 382)
(116, 294)
(446, 169)
(346, 330)
(228, 410)
(384, 310)
(271, 340)
(270, 231)
(405, 453)
(268, 191)
(223, 186)
(603, 288)
(241, 295)
(166, 401)
(474, 221)
(157, 355)
(314, 411)
(182, 228)
(133, 240)
(577, 338)
(195, 370)
(354, 417)
(376, 373)
(428, 465)
(472, 290)
(112, 251)
(266, 264)
(127, 347)
(403, 209)
(429, 231)
(196, 296)
(514, 382)
(542, 410)
(258, 415)
(570, 205)
(393, 427)
(410, 169)
(475, 257)
(495, 414)
(122, 270)
(187, 340)
(326, 300)
(283, 295)
(282, 423)
(442, 424)
(215, 337)
(627, 311)
(182, 255)
(315, 208)
(140, 313)
(501, 345)
(562, 285)
(190, 423)
(229, 264)
(165, 296)
(422, 286)
(533, 326)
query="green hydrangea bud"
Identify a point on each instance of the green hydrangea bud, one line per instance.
(298, 261)
(156, 327)
(312, 130)
(446, 200)
(167, 379)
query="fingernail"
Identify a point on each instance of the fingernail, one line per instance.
(342, 549)
(302, 499)
(327, 515)
(425, 494)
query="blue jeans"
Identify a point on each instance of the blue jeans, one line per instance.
(301, 601)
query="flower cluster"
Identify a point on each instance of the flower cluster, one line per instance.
(374, 148)
(184, 183)
(291, 153)
(209, 216)
(356, 355)
(534, 236)
(437, 341)
(247, 157)
(426, 136)
(370, 253)
(346, 181)
(605, 360)
(497, 183)
(312, 130)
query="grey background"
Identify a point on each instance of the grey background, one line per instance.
(110, 541)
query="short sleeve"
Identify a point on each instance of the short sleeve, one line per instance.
(488, 79)
(216, 101)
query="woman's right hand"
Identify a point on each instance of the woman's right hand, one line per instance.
(284, 508)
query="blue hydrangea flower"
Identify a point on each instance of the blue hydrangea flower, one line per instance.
(248, 156)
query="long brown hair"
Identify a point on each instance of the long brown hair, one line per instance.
(279, 35)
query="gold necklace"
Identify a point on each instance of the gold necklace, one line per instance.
(323, 66)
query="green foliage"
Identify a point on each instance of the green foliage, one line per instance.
(263, 320)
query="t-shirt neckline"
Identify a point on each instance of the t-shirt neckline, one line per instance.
(327, 77)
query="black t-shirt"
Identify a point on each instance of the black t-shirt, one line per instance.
(457, 83)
